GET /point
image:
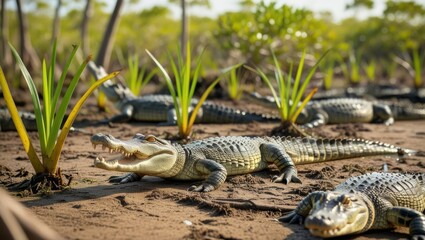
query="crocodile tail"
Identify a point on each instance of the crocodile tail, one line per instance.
(216, 113)
(114, 91)
(406, 152)
(407, 110)
(310, 150)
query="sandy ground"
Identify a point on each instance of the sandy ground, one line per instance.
(243, 208)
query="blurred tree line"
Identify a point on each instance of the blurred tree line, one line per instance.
(233, 37)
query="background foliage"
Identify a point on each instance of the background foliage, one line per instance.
(233, 37)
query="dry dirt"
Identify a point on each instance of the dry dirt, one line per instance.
(243, 208)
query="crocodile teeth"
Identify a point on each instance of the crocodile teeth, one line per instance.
(111, 150)
(94, 146)
(100, 159)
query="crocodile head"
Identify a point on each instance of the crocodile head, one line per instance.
(147, 155)
(336, 214)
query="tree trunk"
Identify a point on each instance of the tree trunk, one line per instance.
(6, 59)
(56, 22)
(27, 52)
(184, 33)
(104, 54)
(84, 28)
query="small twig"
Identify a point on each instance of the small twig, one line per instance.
(249, 204)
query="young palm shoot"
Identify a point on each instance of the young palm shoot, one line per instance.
(288, 95)
(370, 70)
(354, 68)
(137, 79)
(184, 88)
(329, 70)
(49, 116)
(234, 85)
(418, 62)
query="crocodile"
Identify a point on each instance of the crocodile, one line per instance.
(351, 110)
(214, 158)
(28, 119)
(370, 201)
(375, 91)
(160, 108)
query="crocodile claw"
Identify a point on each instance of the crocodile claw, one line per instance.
(126, 178)
(204, 187)
(289, 175)
(418, 237)
(291, 218)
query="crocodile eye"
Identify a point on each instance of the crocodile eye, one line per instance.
(139, 136)
(345, 199)
(150, 138)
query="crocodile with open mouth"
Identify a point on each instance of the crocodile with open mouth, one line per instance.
(214, 158)
(370, 201)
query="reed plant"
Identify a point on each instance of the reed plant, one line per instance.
(182, 91)
(52, 132)
(418, 63)
(234, 84)
(289, 91)
(137, 78)
(354, 60)
(370, 70)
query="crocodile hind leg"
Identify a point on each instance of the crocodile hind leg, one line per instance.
(126, 178)
(319, 118)
(407, 217)
(274, 154)
(216, 172)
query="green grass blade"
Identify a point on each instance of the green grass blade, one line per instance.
(22, 132)
(35, 99)
(201, 101)
(301, 91)
(168, 81)
(417, 66)
(196, 74)
(62, 77)
(70, 120)
(303, 104)
(268, 82)
(60, 114)
(298, 76)
(47, 111)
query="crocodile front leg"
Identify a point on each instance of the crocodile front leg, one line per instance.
(382, 114)
(216, 172)
(126, 178)
(272, 153)
(303, 209)
(319, 118)
(407, 217)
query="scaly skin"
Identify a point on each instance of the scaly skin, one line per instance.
(160, 108)
(370, 201)
(351, 110)
(28, 119)
(215, 158)
(375, 91)
(6, 122)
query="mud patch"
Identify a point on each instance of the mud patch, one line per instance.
(203, 234)
(327, 172)
(350, 130)
(319, 186)
(246, 179)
